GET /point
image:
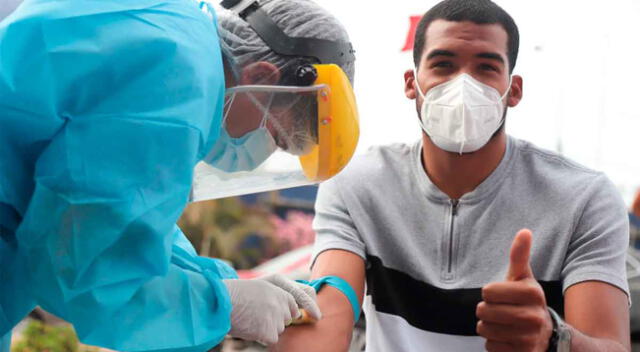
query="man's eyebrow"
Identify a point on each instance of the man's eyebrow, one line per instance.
(439, 52)
(491, 56)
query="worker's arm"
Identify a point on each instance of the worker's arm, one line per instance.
(333, 331)
(136, 89)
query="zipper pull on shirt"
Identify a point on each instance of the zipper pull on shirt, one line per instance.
(454, 207)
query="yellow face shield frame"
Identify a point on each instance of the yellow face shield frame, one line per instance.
(338, 125)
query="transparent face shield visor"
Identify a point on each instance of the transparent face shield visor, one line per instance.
(276, 137)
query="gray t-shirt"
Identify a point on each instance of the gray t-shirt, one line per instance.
(427, 256)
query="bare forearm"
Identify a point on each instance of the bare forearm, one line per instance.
(331, 333)
(582, 343)
(318, 337)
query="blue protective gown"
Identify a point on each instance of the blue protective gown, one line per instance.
(105, 108)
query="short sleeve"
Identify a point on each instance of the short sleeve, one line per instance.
(333, 224)
(598, 248)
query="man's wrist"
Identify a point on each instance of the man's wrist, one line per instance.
(560, 340)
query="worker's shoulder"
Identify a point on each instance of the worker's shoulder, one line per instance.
(103, 29)
(146, 60)
(380, 163)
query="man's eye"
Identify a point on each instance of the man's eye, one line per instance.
(487, 67)
(442, 64)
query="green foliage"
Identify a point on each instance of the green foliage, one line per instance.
(245, 235)
(220, 229)
(40, 337)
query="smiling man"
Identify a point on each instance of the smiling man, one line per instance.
(470, 239)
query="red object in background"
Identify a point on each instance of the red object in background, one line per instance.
(635, 207)
(248, 274)
(413, 24)
(295, 230)
(293, 265)
(297, 265)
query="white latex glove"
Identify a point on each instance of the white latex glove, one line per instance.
(261, 309)
(304, 295)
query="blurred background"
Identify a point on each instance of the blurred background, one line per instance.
(579, 64)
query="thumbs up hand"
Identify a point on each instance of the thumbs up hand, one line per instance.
(513, 315)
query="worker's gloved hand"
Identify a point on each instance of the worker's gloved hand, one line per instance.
(305, 295)
(262, 309)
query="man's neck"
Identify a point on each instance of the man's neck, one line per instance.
(455, 174)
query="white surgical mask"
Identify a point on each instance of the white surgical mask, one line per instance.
(462, 114)
(245, 153)
(241, 154)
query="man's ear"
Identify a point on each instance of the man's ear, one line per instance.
(261, 72)
(409, 86)
(515, 94)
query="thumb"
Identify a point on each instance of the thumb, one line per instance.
(519, 268)
(306, 297)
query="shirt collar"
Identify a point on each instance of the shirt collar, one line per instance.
(486, 188)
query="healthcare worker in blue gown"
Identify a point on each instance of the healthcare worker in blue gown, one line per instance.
(106, 106)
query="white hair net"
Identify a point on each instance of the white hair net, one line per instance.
(297, 18)
(7, 7)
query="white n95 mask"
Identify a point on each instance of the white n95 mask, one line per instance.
(462, 114)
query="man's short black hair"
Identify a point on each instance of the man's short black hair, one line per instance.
(476, 11)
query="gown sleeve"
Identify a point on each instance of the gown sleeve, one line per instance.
(137, 89)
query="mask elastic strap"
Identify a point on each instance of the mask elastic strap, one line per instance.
(256, 102)
(266, 114)
(508, 89)
(227, 107)
(415, 81)
(502, 97)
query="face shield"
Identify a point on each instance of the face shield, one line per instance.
(283, 126)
